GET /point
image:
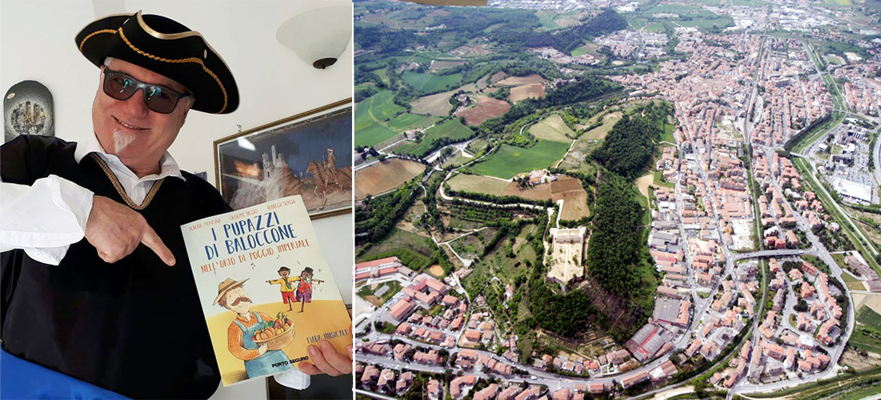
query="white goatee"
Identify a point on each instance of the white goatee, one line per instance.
(121, 140)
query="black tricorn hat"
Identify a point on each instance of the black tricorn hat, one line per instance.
(165, 47)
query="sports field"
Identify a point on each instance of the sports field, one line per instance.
(370, 115)
(510, 160)
(452, 129)
(427, 82)
(552, 128)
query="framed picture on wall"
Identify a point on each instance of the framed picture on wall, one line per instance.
(309, 154)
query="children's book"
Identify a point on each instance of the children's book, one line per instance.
(265, 288)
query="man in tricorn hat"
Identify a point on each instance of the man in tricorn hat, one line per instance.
(133, 327)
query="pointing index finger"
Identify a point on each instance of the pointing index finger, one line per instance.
(152, 240)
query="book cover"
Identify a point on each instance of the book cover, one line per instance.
(265, 288)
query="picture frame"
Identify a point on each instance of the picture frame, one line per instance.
(309, 154)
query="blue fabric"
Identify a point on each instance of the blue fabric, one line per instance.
(20, 379)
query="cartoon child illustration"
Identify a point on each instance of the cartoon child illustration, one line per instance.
(304, 288)
(287, 286)
(259, 360)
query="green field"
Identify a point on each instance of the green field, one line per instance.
(410, 121)
(869, 317)
(865, 339)
(851, 282)
(509, 160)
(579, 51)
(370, 117)
(667, 136)
(659, 181)
(552, 128)
(427, 82)
(452, 129)
(834, 60)
(401, 239)
(372, 135)
(547, 21)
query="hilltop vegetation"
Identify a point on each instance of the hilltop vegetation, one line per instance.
(630, 145)
(613, 257)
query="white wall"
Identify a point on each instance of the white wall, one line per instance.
(37, 43)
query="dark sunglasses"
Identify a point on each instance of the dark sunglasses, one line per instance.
(158, 98)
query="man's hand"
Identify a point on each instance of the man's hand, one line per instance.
(326, 360)
(262, 349)
(116, 230)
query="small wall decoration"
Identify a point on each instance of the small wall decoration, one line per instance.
(309, 154)
(28, 110)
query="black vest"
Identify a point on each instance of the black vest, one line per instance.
(134, 327)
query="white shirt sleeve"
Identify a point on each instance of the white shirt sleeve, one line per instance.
(43, 219)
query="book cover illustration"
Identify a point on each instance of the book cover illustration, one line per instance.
(265, 288)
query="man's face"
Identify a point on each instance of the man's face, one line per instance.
(237, 300)
(284, 274)
(130, 130)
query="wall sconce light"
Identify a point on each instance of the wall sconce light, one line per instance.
(318, 36)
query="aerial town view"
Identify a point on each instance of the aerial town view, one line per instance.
(569, 199)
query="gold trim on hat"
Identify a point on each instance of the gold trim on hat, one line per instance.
(168, 36)
(179, 61)
(93, 34)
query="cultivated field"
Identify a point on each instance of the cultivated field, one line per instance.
(574, 205)
(477, 184)
(470, 50)
(427, 82)
(384, 176)
(411, 121)
(574, 198)
(565, 184)
(600, 132)
(552, 128)
(452, 129)
(372, 135)
(486, 108)
(497, 77)
(510, 160)
(539, 192)
(438, 65)
(873, 302)
(520, 80)
(533, 90)
(369, 129)
(437, 104)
